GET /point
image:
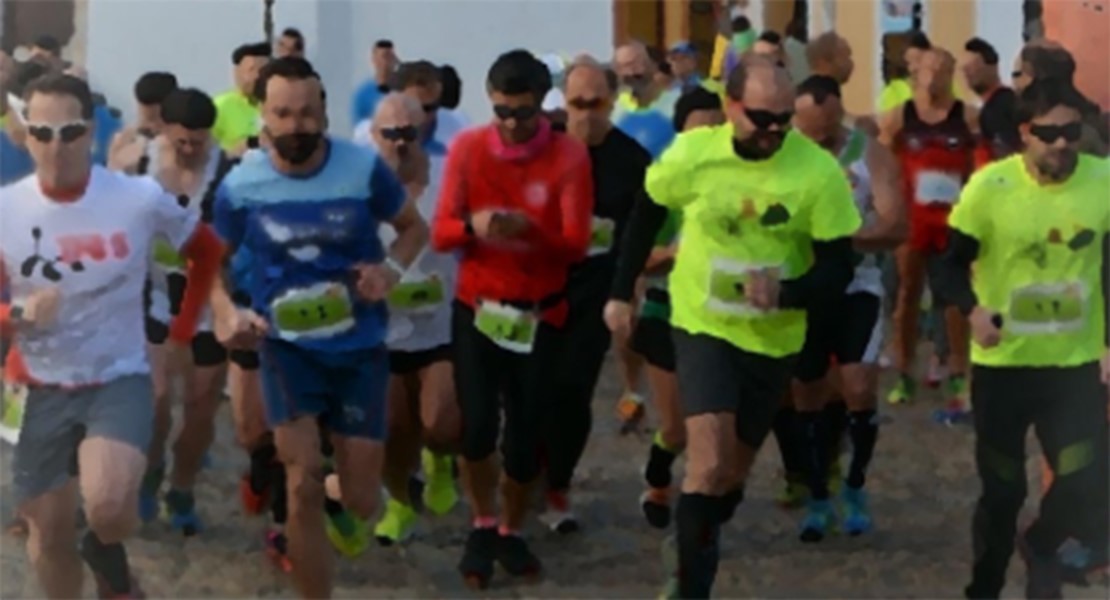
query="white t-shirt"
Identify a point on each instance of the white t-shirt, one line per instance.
(96, 251)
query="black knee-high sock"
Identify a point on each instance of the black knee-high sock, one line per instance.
(836, 415)
(864, 429)
(109, 561)
(658, 470)
(279, 506)
(698, 519)
(786, 435)
(814, 432)
(261, 467)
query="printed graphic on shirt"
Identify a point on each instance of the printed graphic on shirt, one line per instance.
(731, 223)
(1048, 308)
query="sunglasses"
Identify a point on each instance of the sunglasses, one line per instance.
(408, 133)
(66, 132)
(765, 119)
(1017, 74)
(431, 108)
(587, 103)
(1050, 133)
(520, 113)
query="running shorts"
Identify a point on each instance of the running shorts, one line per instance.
(207, 352)
(929, 228)
(404, 363)
(652, 340)
(246, 360)
(849, 331)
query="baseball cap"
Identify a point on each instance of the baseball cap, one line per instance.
(683, 47)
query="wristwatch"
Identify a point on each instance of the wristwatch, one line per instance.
(394, 265)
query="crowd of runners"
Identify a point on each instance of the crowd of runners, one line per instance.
(424, 311)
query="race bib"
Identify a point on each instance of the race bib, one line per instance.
(727, 287)
(320, 311)
(1047, 308)
(508, 327)
(167, 257)
(12, 404)
(418, 296)
(937, 187)
(601, 236)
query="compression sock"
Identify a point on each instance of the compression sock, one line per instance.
(152, 479)
(109, 561)
(660, 460)
(813, 430)
(698, 518)
(279, 505)
(261, 460)
(836, 415)
(864, 430)
(730, 502)
(787, 437)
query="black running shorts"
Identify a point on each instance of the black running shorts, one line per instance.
(849, 330)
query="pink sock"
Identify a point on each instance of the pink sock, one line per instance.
(485, 522)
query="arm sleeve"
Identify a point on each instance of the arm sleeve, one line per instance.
(954, 275)
(576, 208)
(387, 195)
(828, 277)
(449, 225)
(638, 240)
(203, 253)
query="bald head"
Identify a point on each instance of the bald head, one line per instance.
(586, 76)
(830, 55)
(398, 110)
(762, 104)
(759, 82)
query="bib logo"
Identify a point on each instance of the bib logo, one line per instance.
(73, 251)
(535, 194)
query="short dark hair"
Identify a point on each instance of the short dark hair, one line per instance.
(694, 99)
(984, 49)
(153, 87)
(741, 24)
(920, 41)
(384, 44)
(48, 43)
(452, 87)
(771, 37)
(820, 87)
(1042, 96)
(298, 37)
(519, 72)
(258, 50)
(190, 108)
(1050, 63)
(60, 84)
(419, 73)
(288, 67)
(24, 74)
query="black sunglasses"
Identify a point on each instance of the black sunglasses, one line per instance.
(586, 103)
(1050, 133)
(519, 113)
(1017, 74)
(67, 132)
(408, 133)
(765, 119)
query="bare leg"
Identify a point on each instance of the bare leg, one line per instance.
(52, 542)
(309, 552)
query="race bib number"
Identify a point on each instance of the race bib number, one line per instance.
(936, 187)
(418, 296)
(167, 257)
(728, 282)
(13, 401)
(602, 236)
(1047, 308)
(320, 311)
(508, 327)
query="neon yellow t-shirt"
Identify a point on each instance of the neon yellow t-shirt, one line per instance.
(895, 94)
(237, 118)
(1040, 261)
(739, 216)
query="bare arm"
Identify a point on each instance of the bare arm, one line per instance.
(412, 234)
(890, 123)
(971, 117)
(890, 226)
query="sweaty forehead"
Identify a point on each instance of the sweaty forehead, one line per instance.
(768, 88)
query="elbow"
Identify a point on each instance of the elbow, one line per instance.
(417, 234)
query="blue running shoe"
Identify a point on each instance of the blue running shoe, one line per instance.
(148, 506)
(181, 512)
(819, 521)
(857, 518)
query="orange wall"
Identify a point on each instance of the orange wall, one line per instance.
(1084, 29)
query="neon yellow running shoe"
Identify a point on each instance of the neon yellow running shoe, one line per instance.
(903, 391)
(794, 494)
(349, 534)
(396, 524)
(440, 495)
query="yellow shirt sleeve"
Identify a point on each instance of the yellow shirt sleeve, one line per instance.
(668, 178)
(967, 216)
(833, 212)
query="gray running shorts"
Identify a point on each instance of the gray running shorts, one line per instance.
(55, 420)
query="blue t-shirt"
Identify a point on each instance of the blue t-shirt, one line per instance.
(365, 101)
(651, 128)
(107, 124)
(304, 236)
(15, 162)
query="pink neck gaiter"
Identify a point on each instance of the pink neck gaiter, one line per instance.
(524, 151)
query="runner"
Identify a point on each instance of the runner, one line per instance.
(132, 144)
(516, 203)
(934, 136)
(1038, 309)
(237, 111)
(652, 335)
(767, 220)
(618, 165)
(302, 210)
(997, 117)
(423, 411)
(848, 329)
(76, 238)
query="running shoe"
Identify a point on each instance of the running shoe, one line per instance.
(656, 506)
(180, 511)
(105, 591)
(476, 565)
(669, 551)
(516, 558)
(149, 506)
(1044, 574)
(396, 524)
(795, 494)
(253, 504)
(277, 549)
(349, 534)
(558, 517)
(819, 521)
(440, 495)
(937, 373)
(835, 475)
(903, 391)
(630, 411)
(857, 517)
(957, 410)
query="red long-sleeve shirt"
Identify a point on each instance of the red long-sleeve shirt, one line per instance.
(553, 189)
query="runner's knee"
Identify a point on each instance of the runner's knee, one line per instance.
(305, 484)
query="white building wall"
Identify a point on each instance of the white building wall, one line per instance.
(1000, 22)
